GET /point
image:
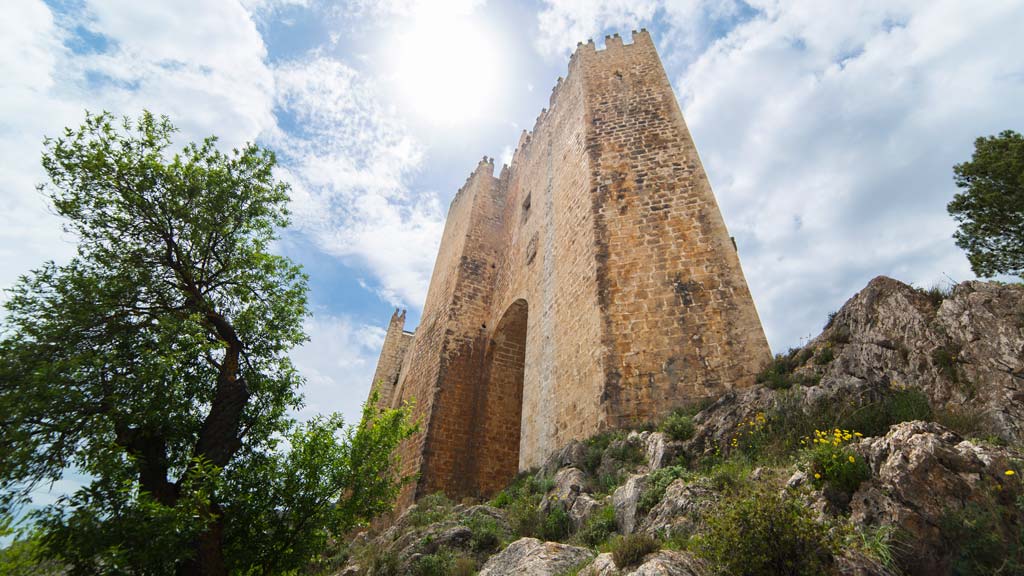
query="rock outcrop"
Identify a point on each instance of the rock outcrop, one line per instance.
(531, 557)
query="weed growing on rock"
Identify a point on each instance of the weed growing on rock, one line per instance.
(657, 483)
(831, 463)
(630, 550)
(598, 528)
(429, 509)
(825, 355)
(440, 563)
(779, 374)
(487, 535)
(763, 532)
(678, 426)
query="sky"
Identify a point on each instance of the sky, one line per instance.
(828, 130)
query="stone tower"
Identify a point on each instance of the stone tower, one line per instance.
(591, 285)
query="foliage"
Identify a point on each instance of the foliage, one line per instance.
(678, 426)
(990, 207)
(429, 509)
(598, 528)
(765, 533)
(825, 355)
(440, 563)
(947, 359)
(657, 483)
(979, 542)
(486, 533)
(596, 446)
(831, 463)
(751, 434)
(895, 406)
(556, 525)
(25, 555)
(780, 375)
(969, 421)
(156, 363)
(630, 550)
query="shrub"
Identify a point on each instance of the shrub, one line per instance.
(875, 419)
(831, 463)
(598, 527)
(779, 374)
(555, 525)
(678, 426)
(487, 535)
(731, 474)
(596, 445)
(626, 451)
(751, 435)
(524, 518)
(429, 509)
(657, 482)
(630, 550)
(379, 562)
(825, 355)
(946, 359)
(464, 566)
(969, 422)
(765, 533)
(979, 540)
(440, 563)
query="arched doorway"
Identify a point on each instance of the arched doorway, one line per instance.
(497, 453)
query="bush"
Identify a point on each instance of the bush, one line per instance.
(379, 562)
(487, 535)
(765, 533)
(979, 541)
(440, 563)
(875, 419)
(657, 482)
(429, 509)
(779, 374)
(555, 525)
(832, 464)
(596, 445)
(678, 426)
(946, 359)
(825, 355)
(598, 527)
(630, 550)
(968, 422)
(464, 566)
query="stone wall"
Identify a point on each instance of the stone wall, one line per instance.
(593, 284)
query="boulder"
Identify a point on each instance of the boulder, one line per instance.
(625, 499)
(581, 509)
(921, 472)
(573, 454)
(531, 557)
(680, 509)
(661, 563)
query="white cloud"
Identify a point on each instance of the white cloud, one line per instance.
(830, 133)
(348, 167)
(338, 363)
(829, 130)
(200, 64)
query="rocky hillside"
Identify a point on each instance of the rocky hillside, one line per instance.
(890, 444)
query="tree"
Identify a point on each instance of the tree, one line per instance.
(155, 362)
(991, 209)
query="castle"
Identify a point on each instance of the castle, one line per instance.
(591, 285)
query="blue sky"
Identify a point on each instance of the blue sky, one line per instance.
(828, 129)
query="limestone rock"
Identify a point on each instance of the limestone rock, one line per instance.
(573, 454)
(680, 508)
(625, 499)
(581, 509)
(920, 472)
(661, 563)
(966, 351)
(531, 557)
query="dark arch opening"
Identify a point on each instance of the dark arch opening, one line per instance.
(501, 409)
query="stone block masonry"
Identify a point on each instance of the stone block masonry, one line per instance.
(591, 285)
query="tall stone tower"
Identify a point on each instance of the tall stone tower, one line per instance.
(591, 285)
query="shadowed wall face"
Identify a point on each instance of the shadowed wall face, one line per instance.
(497, 452)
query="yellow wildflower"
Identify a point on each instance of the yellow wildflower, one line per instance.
(817, 476)
(1009, 472)
(852, 459)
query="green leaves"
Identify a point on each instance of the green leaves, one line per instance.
(155, 362)
(990, 210)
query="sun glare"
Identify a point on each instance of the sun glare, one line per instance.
(445, 68)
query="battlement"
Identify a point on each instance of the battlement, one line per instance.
(591, 285)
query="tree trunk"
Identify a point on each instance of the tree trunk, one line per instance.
(208, 550)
